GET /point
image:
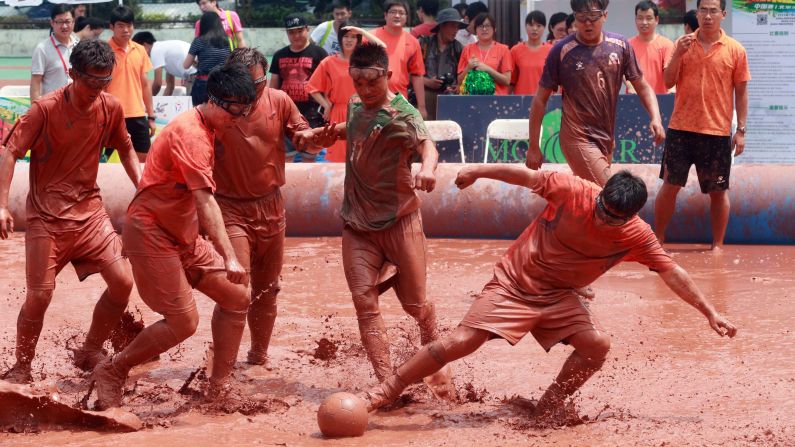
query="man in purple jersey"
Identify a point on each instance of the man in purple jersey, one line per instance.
(589, 66)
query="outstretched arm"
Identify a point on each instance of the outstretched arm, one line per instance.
(211, 220)
(508, 173)
(680, 283)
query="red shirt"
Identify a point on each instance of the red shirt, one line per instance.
(65, 145)
(566, 248)
(180, 161)
(653, 57)
(249, 154)
(405, 59)
(528, 67)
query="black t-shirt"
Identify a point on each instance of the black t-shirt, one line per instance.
(294, 70)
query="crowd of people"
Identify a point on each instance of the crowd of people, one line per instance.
(229, 183)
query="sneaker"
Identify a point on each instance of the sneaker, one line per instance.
(88, 359)
(257, 358)
(109, 383)
(18, 374)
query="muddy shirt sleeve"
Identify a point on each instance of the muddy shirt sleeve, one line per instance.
(648, 251)
(631, 68)
(550, 78)
(26, 131)
(193, 157)
(291, 117)
(556, 187)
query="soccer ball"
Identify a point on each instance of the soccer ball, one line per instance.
(341, 415)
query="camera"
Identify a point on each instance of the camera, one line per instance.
(447, 79)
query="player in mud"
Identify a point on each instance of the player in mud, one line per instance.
(249, 171)
(381, 209)
(66, 220)
(168, 257)
(582, 233)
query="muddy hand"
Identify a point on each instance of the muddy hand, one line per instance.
(465, 178)
(425, 181)
(6, 223)
(722, 326)
(657, 132)
(235, 272)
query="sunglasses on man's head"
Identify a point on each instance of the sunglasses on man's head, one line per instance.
(233, 108)
(366, 73)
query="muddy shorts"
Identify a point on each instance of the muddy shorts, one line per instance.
(165, 278)
(506, 315)
(90, 249)
(711, 154)
(403, 244)
(586, 159)
(256, 229)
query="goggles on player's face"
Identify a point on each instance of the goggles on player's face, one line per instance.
(260, 79)
(94, 81)
(611, 218)
(231, 107)
(589, 16)
(366, 73)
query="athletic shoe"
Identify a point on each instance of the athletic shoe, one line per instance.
(109, 383)
(18, 374)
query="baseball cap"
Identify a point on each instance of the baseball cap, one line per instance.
(294, 21)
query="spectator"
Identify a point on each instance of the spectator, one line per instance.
(80, 11)
(441, 53)
(461, 8)
(211, 49)
(89, 27)
(557, 27)
(529, 57)
(590, 67)
(49, 67)
(571, 24)
(229, 20)
(325, 34)
(691, 21)
(332, 87)
(168, 54)
(426, 11)
(710, 72)
(467, 35)
(405, 54)
(487, 55)
(651, 49)
(130, 84)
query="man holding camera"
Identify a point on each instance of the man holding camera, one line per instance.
(441, 52)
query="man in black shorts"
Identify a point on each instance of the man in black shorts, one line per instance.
(710, 72)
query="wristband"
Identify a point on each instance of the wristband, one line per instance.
(151, 118)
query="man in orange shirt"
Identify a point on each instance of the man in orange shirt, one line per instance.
(711, 74)
(249, 172)
(405, 54)
(583, 232)
(66, 219)
(130, 84)
(168, 257)
(651, 49)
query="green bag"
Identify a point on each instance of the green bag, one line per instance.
(478, 83)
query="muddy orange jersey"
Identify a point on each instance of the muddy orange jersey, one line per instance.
(65, 145)
(566, 248)
(249, 153)
(405, 59)
(180, 161)
(528, 67)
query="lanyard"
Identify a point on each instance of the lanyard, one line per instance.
(65, 68)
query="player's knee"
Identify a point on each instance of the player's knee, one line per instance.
(264, 296)
(366, 305)
(463, 341)
(418, 311)
(184, 325)
(36, 303)
(596, 348)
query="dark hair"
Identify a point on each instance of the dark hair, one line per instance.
(429, 7)
(91, 22)
(554, 19)
(343, 32)
(122, 14)
(625, 193)
(691, 19)
(473, 9)
(92, 54)
(583, 5)
(62, 8)
(340, 4)
(388, 4)
(722, 4)
(248, 57)
(370, 55)
(213, 1)
(569, 21)
(537, 17)
(211, 30)
(144, 37)
(482, 17)
(461, 8)
(645, 5)
(231, 82)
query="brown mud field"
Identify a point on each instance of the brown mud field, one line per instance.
(669, 379)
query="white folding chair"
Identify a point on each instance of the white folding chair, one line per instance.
(445, 130)
(506, 129)
(15, 91)
(180, 90)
